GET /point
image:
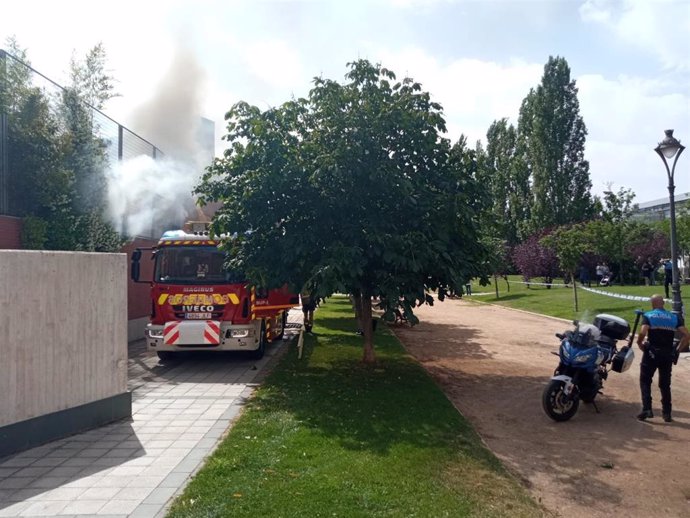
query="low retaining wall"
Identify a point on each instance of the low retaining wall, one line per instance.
(63, 340)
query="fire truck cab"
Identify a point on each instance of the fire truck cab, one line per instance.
(199, 305)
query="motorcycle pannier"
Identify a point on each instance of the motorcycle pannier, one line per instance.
(612, 326)
(623, 359)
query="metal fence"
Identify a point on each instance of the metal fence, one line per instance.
(120, 143)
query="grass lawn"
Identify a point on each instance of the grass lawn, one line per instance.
(327, 436)
(558, 301)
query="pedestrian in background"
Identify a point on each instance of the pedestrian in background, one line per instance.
(656, 340)
(647, 269)
(584, 276)
(668, 275)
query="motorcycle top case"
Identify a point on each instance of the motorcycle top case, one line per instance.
(623, 359)
(612, 326)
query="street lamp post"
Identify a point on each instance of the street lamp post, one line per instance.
(668, 148)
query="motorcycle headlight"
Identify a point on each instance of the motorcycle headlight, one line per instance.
(565, 352)
(582, 358)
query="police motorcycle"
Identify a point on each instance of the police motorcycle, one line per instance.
(585, 355)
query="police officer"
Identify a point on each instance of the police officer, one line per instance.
(659, 353)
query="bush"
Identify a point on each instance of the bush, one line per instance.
(34, 233)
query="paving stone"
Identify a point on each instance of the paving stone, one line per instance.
(128, 471)
(118, 482)
(160, 495)
(6, 472)
(100, 493)
(48, 482)
(14, 509)
(64, 493)
(134, 493)
(146, 511)
(44, 508)
(18, 462)
(119, 506)
(16, 482)
(175, 480)
(47, 462)
(32, 471)
(64, 471)
(84, 506)
(151, 482)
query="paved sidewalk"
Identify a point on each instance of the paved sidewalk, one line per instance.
(133, 468)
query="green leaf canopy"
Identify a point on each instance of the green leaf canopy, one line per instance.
(352, 190)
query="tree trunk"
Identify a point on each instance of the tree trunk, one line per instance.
(496, 284)
(357, 299)
(574, 290)
(368, 330)
(507, 283)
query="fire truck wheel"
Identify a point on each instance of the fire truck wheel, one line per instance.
(259, 353)
(165, 356)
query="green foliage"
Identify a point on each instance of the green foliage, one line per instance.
(352, 189)
(57, 164)
(570, 243)
(34, 233)
(618, 206)
(506, 176)
(552, 138)
(325, 437)
(14, 77)
(90, 78)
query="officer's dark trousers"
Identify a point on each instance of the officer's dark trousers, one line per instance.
(653, 360)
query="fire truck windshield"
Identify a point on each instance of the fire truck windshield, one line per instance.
(193, 265)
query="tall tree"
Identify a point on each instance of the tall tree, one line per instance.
(56, 160)
(85, 152)
(552, 134)
(352, 189)
(508, 182)
(90, 78)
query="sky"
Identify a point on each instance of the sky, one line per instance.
(477, 58)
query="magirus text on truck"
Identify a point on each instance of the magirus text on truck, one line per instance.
(199, 305)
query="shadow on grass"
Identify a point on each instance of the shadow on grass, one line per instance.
(365, 407)
(511, 296)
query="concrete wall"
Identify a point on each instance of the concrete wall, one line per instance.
(63, 332)
(138, 298)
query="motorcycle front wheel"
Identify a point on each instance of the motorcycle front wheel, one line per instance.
(557, 405)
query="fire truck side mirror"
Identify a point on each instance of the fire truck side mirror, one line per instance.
(135, 268)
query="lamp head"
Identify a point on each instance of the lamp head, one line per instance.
(669, 146)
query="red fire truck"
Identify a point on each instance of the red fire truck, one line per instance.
(197, 304)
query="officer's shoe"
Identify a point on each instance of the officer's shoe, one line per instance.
(645, 414)
(668, 418)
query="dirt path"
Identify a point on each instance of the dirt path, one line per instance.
(493, 363)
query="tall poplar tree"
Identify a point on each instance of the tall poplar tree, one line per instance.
(552, 136)
(507, 178)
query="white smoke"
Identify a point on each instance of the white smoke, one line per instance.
(146, 195)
